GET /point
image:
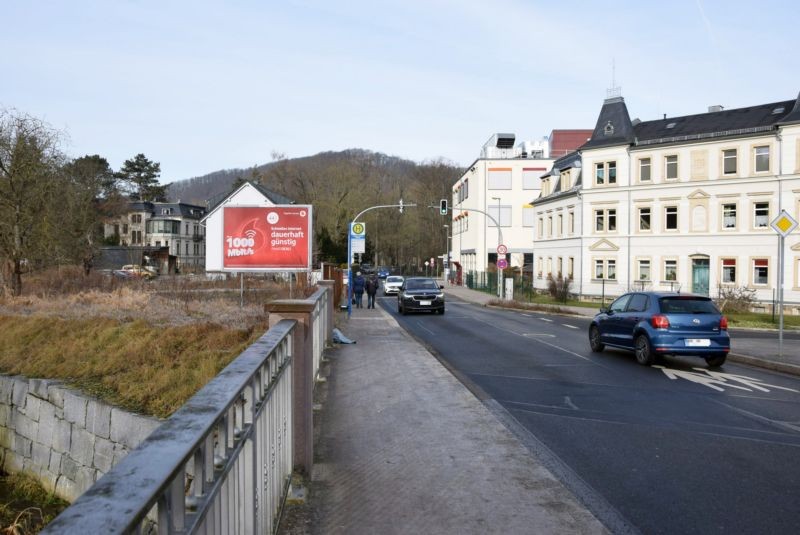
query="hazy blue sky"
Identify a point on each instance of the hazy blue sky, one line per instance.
(200, 86)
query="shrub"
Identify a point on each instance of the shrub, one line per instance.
(559, 287)
(736, 299)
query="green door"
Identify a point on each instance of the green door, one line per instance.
(700, 276)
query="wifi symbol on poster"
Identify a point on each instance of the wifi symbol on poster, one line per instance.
(250, 233)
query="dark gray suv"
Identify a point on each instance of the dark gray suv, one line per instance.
(418, 294)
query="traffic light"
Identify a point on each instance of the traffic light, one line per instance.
(443, 207)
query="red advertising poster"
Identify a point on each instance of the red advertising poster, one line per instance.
(269, 238)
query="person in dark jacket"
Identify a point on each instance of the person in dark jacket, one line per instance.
(371, 287)
(358, 288)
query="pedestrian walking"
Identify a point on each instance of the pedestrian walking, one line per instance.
(358, 288)
(371, 287)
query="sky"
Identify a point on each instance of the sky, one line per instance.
(200, 86)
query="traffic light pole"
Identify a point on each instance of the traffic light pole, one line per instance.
(401, 206)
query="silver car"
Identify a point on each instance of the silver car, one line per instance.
(392, 284)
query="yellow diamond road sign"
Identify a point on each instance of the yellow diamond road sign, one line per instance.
(784, 223)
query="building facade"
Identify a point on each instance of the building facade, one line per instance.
(501, 183)
(175, 226)
(682, 203)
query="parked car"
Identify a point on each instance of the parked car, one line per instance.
(652, 324)
(139, 272)
(392, 284)
(420, 294)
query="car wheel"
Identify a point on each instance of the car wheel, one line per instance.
(644, 351)
(594, 339)
(441, 311)
(716, 361)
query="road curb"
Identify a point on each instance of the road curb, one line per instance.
(784, 367)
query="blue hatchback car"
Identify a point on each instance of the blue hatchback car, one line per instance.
(662, 323)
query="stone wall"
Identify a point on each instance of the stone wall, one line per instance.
(65, 439)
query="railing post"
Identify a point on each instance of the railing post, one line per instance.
(302, 376)
(331, 306)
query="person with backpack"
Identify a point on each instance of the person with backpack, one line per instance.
(371, 287)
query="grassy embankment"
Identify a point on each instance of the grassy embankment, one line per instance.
(146, 347)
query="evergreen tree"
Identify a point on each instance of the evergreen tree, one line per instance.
(139, 178)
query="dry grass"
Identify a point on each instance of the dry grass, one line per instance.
(25, 506)
(143, 346)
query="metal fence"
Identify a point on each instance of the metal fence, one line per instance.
(220, 464)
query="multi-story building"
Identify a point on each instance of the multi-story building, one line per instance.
(682, 203)
(175, 226)
(501, 182)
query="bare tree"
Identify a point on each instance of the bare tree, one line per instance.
(30, 159)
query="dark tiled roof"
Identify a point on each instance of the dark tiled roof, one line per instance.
(565, 162)
(613, 125)
(156, 209)
(716, 124)
(794, 115)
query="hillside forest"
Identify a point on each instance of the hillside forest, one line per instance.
(339, 185)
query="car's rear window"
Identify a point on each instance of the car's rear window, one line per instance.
(687, 305)
(394, 279)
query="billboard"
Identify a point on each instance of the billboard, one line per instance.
(266, 238)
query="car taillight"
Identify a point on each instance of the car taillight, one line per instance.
(723, 323)
(659, 321)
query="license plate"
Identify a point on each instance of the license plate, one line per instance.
(425, 303)
(698, 342)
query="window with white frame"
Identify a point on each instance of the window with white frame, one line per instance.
(729, 216)
(571, 221)
(612, 172)
(644, 170)
(559, 267)
(560, 225)
(499, 178)
(644, 270)
(761, 215)
(545, 187)
(571, 267)
(605, 269)
(540, 228)
(728, 271)
(760, 271)
(605, 220)
(670, 270)
(549, 265)
(539, 268)
(599, 174)
(528, 216)
(761, 159)
(729, 158)
(670, 218)
(729, 162)
(549, 226)
(644, 219)
(671, 167)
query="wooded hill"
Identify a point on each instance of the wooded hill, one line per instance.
(341, 184)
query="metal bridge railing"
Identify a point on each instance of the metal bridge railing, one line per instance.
(220, 464)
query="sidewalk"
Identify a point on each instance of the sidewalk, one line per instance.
(746, 349)
(402, 446)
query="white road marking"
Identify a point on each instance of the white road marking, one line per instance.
(527, 315)
(568, 325)
(568, 402)
(547, 320)
(718, 380)
(422, 326)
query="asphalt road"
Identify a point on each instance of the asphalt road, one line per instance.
(672, 448)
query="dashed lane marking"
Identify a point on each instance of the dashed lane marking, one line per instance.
(568, 325)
